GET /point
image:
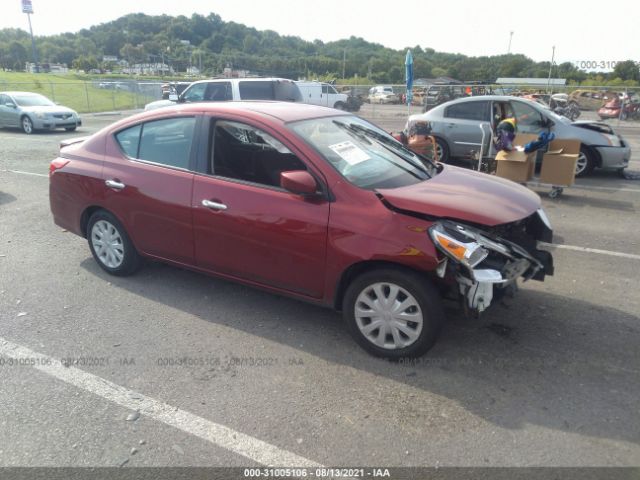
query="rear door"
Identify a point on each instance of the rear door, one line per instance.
(148, 183)
(462, 126)
(245, 224)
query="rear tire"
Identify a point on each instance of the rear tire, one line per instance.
(393, 313)
(339, 106)
(110, 245)
(443, 150)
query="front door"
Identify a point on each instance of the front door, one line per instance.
(246, 225)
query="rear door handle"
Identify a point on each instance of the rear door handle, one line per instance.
(213, 205)
(114, 184)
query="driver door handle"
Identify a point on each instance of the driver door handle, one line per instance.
(213, 205)
(114, 184)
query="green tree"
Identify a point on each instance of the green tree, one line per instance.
(627, 70)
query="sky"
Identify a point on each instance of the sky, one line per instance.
(580, 31)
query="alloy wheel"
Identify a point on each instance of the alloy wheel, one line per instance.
(27, 125)
(582, 163)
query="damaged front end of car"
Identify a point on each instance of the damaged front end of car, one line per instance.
(485, 263)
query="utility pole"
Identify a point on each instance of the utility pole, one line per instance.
(27, 7)
(344, 62)
(510, 38)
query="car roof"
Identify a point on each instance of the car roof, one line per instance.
(245, 79)
(282, 111)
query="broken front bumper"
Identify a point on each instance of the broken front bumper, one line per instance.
(487, 264)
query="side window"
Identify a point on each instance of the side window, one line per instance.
(166, 142)
(246, 153)
(219, 92)
(468, 111)
(195, 93)
(3, 100)
(256, 90)
(325, 89)
(528, 119)
(129, 140)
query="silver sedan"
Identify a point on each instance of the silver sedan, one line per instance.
(32, 111)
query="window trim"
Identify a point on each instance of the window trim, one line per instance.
(193, 152)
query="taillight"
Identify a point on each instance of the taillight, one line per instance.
(57, 164)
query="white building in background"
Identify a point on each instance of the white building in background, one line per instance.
(148, 69)
(47, 67)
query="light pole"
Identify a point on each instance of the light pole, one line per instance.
(510, 38)
(27, 7)
(553, 54)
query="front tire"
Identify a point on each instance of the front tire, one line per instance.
(339, 106)
(393, 313)
(27, 125)
(71, 129)
(110, 245)
(586, 162)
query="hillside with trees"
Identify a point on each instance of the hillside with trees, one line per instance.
(213, 44)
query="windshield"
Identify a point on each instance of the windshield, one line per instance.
(33, 101)
(363, 154)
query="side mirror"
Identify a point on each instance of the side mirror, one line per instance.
(173, 97)
(10, 105)
(299, 182)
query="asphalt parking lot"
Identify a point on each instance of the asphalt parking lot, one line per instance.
(223, 374)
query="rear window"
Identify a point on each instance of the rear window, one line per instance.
(165, 142)
(468, 111)
(280, 90)
(256, 91)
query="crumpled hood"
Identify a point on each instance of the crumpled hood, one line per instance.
(596, 126)
(466, 195)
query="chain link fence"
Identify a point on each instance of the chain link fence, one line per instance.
(93, 96)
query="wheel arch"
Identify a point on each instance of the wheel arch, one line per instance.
(360, 268)
(86, 215)
(593, 151)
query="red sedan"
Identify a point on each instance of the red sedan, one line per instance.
(304, 201)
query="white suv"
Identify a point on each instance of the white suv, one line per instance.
(232, 89)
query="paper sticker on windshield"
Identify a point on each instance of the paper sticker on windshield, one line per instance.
(349, 152)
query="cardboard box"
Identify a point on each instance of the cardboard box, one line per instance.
(517, 165)
(559, 163)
